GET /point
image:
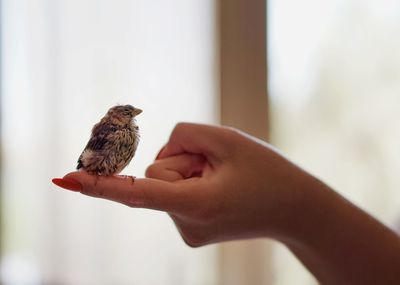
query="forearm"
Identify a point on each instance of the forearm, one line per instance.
(341, 244)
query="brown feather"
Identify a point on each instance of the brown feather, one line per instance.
(113, 142)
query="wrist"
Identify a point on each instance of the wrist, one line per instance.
(311, 209)
(339, 243)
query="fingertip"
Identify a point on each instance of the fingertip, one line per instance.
(68, 183)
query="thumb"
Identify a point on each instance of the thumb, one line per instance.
(134, 192)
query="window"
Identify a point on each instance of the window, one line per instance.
(64, 64)
(334, 86)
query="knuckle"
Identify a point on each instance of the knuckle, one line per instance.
(179, 128)
(181, 125)
(152, 171)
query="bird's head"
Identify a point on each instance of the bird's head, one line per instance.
(124, 113)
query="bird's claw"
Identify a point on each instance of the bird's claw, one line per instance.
(132, 178)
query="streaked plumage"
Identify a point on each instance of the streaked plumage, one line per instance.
(113, 142)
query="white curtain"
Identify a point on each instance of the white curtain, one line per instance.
(65, 62)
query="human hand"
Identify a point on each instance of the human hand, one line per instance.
(219, 184)
(232, 185)
(216, 183)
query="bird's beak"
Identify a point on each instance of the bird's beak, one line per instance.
(137, 112)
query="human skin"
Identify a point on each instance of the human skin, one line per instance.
(219, 184)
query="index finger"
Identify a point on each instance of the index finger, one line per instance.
(134, 192)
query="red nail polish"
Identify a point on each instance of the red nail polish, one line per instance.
(68, 184)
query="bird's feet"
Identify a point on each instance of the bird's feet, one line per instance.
(132, 178)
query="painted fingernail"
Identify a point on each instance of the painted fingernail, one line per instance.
(68, 184)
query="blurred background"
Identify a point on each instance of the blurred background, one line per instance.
(331, 106)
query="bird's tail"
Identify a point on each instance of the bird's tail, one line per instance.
(80, 164)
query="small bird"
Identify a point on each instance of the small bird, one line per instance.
(113, 142)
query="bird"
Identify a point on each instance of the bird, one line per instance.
(112, 143)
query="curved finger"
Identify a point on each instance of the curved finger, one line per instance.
(211, 141)
(176, 167)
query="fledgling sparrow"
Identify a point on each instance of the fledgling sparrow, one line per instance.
(113, 142)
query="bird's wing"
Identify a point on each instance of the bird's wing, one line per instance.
(100, 137)
(97, 143)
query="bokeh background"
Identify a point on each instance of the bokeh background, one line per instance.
(335, 99)
(334, 95)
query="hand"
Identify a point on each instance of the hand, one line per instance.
(245, 188)
(219, 184)
(216, 183)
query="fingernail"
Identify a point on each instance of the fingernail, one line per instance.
(68, 184)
